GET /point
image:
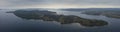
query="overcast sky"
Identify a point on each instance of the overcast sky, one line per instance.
(60, 3)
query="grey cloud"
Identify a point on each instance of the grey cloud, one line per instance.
(9, 3)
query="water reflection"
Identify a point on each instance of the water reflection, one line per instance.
(53, 16)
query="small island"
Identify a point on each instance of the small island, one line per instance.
(53, 16)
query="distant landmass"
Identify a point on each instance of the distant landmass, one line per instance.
(109, 12)
(73, 9)
(53, 16)
(89, 9)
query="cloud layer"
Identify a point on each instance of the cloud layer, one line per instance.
(60, 3)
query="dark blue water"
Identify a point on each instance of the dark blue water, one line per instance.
(12, 23)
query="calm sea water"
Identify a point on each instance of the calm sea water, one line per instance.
(12, 23)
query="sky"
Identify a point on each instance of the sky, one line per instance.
(59, 3)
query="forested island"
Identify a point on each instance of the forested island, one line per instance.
(53, 16)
